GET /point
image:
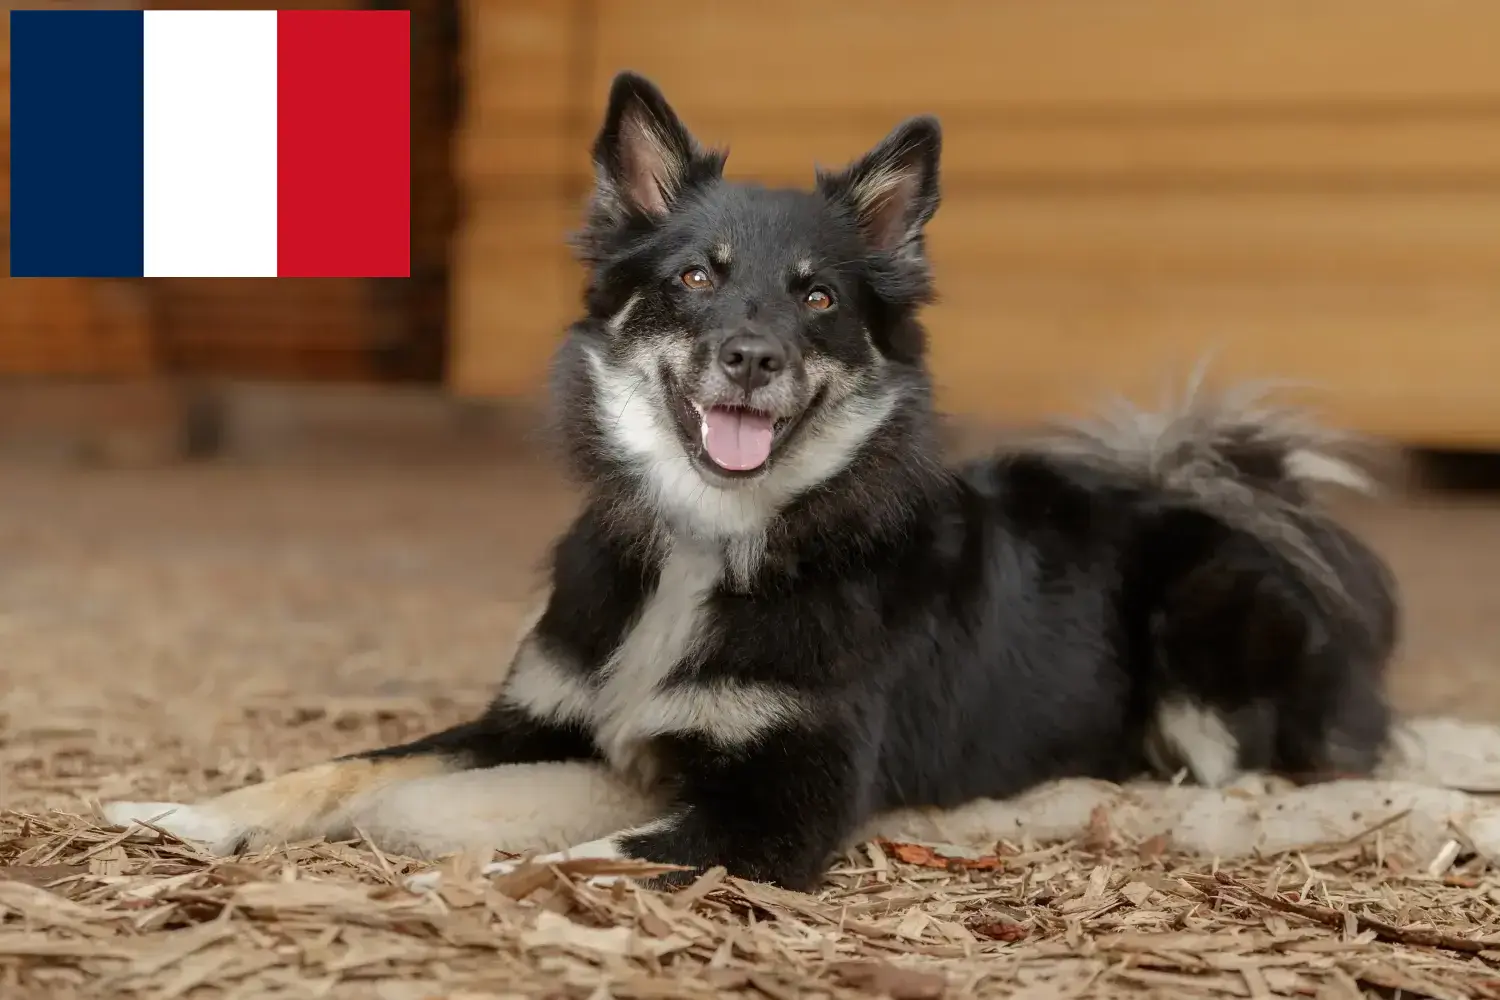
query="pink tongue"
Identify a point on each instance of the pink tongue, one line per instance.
(737, 440)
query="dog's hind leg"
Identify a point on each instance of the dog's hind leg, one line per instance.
(1255, 673)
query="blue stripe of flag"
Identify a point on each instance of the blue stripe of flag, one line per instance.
(77, 143)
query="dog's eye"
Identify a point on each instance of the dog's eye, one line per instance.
(819, 299)
(697, 277)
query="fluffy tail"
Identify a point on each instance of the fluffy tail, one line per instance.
(1270, 643)
(1261, 469)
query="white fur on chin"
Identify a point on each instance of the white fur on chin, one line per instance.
(635, 414)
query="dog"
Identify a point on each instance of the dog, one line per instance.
(781, 613)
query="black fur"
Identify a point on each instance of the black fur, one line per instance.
(941, 634)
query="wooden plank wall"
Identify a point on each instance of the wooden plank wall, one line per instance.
(63, 326)
(263, 328)
(335, 329)
(1310, 189)
(522, 164)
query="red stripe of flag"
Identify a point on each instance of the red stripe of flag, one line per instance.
(343, 144)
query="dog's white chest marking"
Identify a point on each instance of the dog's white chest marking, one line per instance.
(627, 702)
(630, 704)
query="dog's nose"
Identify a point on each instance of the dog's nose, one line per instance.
(752, 360)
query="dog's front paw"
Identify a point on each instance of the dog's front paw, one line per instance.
(194, 823)
(429, 881)
(424, 881)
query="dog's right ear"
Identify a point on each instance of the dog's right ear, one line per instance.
(644, 157)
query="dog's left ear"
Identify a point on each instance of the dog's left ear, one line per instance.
(644, 157)
(893, 189)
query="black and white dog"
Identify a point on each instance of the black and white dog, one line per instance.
(782, 612)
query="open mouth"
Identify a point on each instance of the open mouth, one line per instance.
(737, 438)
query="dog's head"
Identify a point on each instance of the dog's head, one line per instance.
(743, 343)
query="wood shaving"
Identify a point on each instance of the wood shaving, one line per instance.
(173, 636)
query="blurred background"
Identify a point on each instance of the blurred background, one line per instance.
(337, 482)
(1308, 189)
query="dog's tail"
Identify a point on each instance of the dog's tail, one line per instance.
(1288, 613)
(1257, 468)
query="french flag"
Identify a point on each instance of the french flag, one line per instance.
(232, 144)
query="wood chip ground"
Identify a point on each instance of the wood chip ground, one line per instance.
(85, 912)
(174, 636)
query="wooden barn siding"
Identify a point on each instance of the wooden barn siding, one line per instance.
(320, 329)
(64, 326)
(1308, 189)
